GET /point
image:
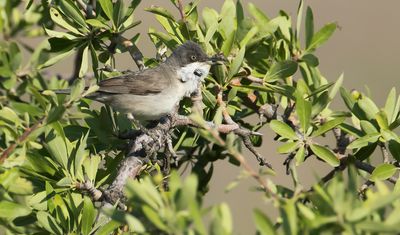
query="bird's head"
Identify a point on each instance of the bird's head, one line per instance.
(191, 52)
(193, 62)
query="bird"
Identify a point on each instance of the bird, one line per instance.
(153, 93)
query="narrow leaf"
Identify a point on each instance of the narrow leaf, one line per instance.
(281, 70)
(329, 125)
(321, 36)
(309, 26)
(283, 129)
(325, 154)
(383, 172)
(303, 110)
(364, 141)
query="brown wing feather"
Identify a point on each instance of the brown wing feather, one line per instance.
(139, 83)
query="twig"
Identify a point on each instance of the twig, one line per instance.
(181, 10)
(364, 188)
(87, 9)
(21, 139)
(385, 153)
(243, 133)
(255, 79)
(88, 186)
(134, 51)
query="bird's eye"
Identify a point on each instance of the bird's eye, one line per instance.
(193, 57)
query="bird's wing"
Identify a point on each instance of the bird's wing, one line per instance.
(135, 83)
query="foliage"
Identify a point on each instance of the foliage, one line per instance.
(51, 143)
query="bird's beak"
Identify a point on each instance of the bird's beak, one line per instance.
(217, 59)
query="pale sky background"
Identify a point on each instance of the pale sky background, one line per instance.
(366, 48)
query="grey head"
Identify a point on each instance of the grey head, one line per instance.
(187, 53)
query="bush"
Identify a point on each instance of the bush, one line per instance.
(65, 169)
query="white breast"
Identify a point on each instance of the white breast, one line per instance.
(192, 74)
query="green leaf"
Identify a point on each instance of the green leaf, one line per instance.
(394, 148)
(383, 172)
(55, 59)
(48, 222)
(249, 36)
(57, 148)
(310, 59)
(135, 225)
(283, 129)
(210, 16)
(72, 11)
(16, 58)
(11, 210)
(88, 216)
(210, 32)
(80, 155)
(236, 63)
(300, 155)
(325, 154)
(364, 141)
(97, 23)
(288, 147)
(309, 26)
(91, 166)
(77, 88)
(55, 114)
(281, 70)
(85, 62)
(390, 105)
(329, 125)
(382, 120)
(107, 7)
(263, 223)
(368, 107)
(57, 17)
(303, 110)
(365, 152)
(161, 11)
(368, 127)
(299, 19)
(228, 24)
(227, 44)
(321, 36)
(221, 220)
(9, 116)
(347, 98)
(154, 217)
(108, 228)
(336, 87)
(258, 14)
(118, 13)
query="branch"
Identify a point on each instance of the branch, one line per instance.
(181, 10)
(243, 133)
(7, 152)
(134, 51)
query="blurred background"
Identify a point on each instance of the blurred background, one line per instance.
(365, 48)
